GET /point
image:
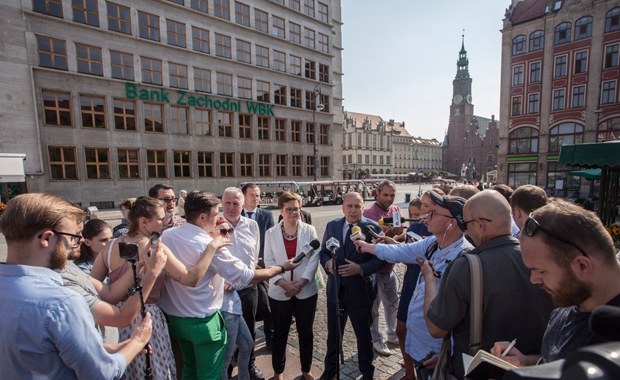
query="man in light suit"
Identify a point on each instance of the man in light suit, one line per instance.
(264, 218)
(354, 273)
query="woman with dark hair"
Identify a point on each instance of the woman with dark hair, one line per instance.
(97, 234)
(146, 216)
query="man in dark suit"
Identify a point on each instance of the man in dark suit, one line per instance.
(264, 218)
(351, 278)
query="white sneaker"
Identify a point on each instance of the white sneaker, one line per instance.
(392, 340)
(381, 348)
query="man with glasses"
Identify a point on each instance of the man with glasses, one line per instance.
(513, 307)
(48, 329)
(165, 193)
(573, 258)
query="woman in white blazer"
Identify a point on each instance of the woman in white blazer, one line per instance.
(293, 292)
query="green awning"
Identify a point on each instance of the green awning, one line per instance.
(592, 155)
(587, 173)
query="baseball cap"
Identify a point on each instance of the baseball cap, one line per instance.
(451, 203)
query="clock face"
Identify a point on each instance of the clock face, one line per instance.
(458, 98)
(469, 98)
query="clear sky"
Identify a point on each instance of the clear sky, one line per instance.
(399, 58)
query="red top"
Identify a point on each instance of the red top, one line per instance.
(290, 246)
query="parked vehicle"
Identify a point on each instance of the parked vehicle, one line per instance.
(330, 192)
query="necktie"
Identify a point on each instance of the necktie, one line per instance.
(348, 244)
(250, 213)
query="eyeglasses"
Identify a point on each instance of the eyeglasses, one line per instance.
(224, 231)
(433, 212)
(531, 226)
(466, 222)
(291, 210)
(75, 239)
(168, 200)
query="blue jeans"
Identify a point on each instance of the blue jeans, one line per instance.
(238, 336)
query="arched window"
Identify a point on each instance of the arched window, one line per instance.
(537, 40)
(523, 140)
(583, 28)
(612, 20)
(565, 133)
(562, 33)
(518, 44)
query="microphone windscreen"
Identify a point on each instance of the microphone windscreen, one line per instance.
(356, 229)
(381, 222)
(315, 244)
(604, 322)
(388, 220)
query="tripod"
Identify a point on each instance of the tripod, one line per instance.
(148, 372)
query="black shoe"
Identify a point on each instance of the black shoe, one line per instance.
(327, 376)
(255, 373)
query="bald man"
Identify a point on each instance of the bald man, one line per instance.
(513, 307)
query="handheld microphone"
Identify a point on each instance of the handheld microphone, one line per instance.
(307, 250)
(390, 220)
(356, 233)
(154, 237)
(604, 322)
(332, 243)
(371, 231)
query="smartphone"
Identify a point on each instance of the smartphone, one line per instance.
(413, 236)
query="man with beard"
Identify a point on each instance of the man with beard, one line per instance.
(165, 193)
(572, 257)
(49, 330)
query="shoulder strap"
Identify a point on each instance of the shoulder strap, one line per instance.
(431, 249)
(475, 311)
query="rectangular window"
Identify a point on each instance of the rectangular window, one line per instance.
(119, 18)
(581, 62)
(122, 65)
(279, 61)
(533, 103)
(295, 97)
(295, 65)
(611, 56)
(153, 117)
(48, 7)
(323, 11)
(244, 88)
(225, 124)
(323, 73)
(202, 122)
(93, 111)
(200, 5)
(224, 84)
(294, 32)
(85, 12)
(263, 91)
(57, 108)
(608, 93)
(148, 25)
(245, 164)
(245, 126)
(63, 163)
(221, 9)
(261, 20)
(156, 163)
(295, 131)
(244, 51)
(558, 99)
(242, 14)
(324, 134)
(310, 71)
(178, 75)
(296, 166)
(309, 7)
(52, 53)
(222, 46)
(579, 96)
(325, 166)
(277, 27)
(179, 120)
(151, 71)
(89, 59)
(295, 4)
(263, 128)
(517, 75)
(324, 98)
(202, 80)
(279, 95)
(264, 165)
(535, 72)
(309, 133)
(205, 164)
(227, 164)
(560, 66)
(281, 165)
(311, 100)
(182, 164)
(262, 56)
(128, 163)
(309, 38)
(124, 114)
(97, 163)
(323, 42)
(176, 33)
(310, 165)
(200, 39)
(516, 105)
(280, 129)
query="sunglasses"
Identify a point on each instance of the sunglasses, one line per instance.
(531, 226)
(224, 231)
(466, 222)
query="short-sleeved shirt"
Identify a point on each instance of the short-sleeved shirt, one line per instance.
(513, 308)
(78, 281)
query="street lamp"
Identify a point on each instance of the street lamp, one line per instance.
(317, 107)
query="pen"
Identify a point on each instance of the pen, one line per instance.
(510, 346)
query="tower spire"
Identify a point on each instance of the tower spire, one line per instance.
(462, 65)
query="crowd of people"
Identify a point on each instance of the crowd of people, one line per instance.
(199, 281)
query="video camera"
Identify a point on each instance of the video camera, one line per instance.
(128, 251)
